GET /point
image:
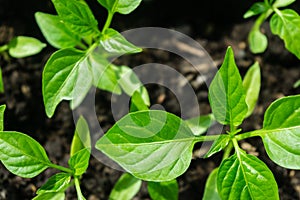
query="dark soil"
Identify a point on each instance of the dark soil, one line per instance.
(214, 24)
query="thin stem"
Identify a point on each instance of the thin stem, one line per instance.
(61, 168)
(108, 21)
(3, 48)
(78, 189)
(249, 134)
(227, 151)
(207, 138)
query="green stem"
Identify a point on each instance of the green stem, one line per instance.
(78, 189)
(227, 151)
(108, 21)
(61, 168)
(3, 48)
(207, 138)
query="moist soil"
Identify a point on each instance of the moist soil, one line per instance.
(214, 24)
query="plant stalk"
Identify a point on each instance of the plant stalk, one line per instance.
(61, 168)
(108, 21)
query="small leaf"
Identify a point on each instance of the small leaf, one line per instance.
(55, 31)
(81, 138)
(66, 76)
(211, 191)
(21, 46)
(163, 190)
(56, 183)
(120, 6)
(286, 24)
(282, 3)
(22, 155)
(281, 132)
(104, 75)
(130, 83)
(297, 84)
(199, 125)
(1, 82)
(50, 196)
(258, 42)
(152, 145)
(256, 9)
(77, 16)
(244, 176)
(126, 188)
(251, 84)
(80, 161)
(115, 44)
(2, 109)
(218, 145)
(227, 94)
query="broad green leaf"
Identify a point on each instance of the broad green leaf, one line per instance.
(22, 155)
(66, 76)
(80, 161)
(227, 94)
(104, 75)
(199, 125)
(286, 24)
(251, 84)
(56, 183)
(114, 43)
(151, 145)
(81, 138)
(258, 42)
(163, 190)
(130, 83)
(55, 31)
(218, 145)
(1, 82)
(256, 9)
(244, 176)
(120, 6)
(281, 132)
(23, 46)
(50, 196)
(77, 16)
(126, 188)
(282, 3)
(2, 109)
(211, 191)
(137, 103)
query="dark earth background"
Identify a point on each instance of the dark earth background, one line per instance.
(214, 24)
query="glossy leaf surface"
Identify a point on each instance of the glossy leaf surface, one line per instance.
(211, 191)
(55, 183)
(163, 190)
(120, 6)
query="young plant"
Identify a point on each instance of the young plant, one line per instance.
(85, 54)
(20, 47)
(157, 146)
(284, 22)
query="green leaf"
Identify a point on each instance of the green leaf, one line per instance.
(199, 125)
(211, 191)
(281, 132)
(244, 176)
(163, 190)
(22, 46)
(126, 188)
(130, 83)
(104, 75)
(66, 76)
(258, 42)
(50, 196)
(286, 24)
(256, 9)
(251, 84)
(80, 161)
(151, 145)
(282, 3)
(81, 138)
(2, 109)
(1, 82)
(22, 155)
(218, 145)
(114, 43)
(56, 183)
(55, 31)
(297, 84)
(227, 94)
(137, 103)
(77, 16)
(120, 6)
